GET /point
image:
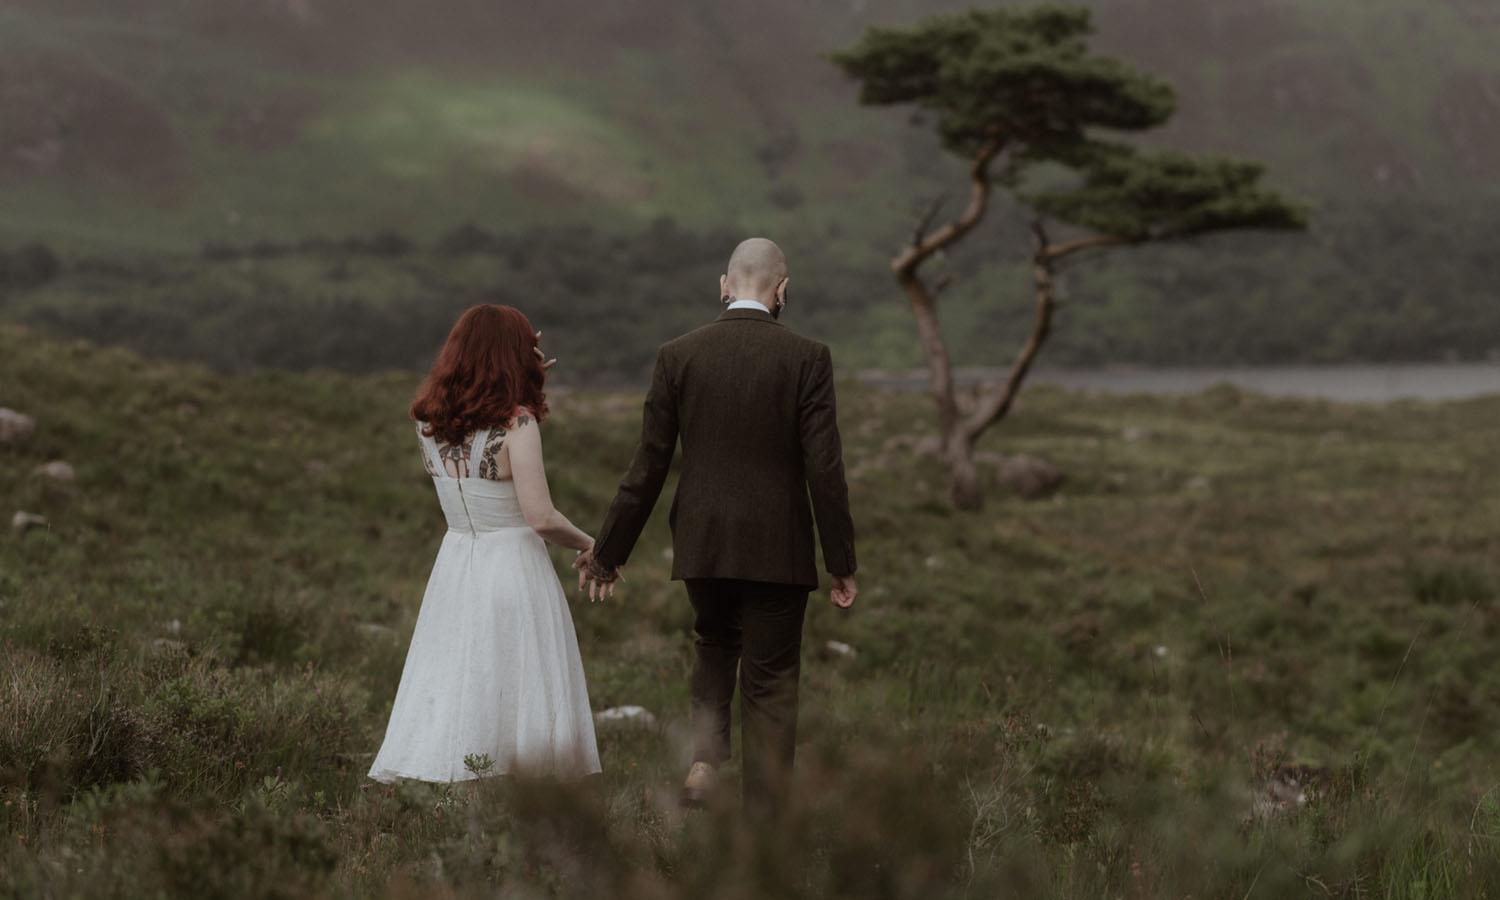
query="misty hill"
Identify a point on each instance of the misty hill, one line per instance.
(207, 120)
(158, 126)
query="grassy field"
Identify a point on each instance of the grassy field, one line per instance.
(1117, 691)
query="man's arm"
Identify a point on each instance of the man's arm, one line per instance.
(823, 461)
(648, 472)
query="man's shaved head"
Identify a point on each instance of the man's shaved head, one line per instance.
(756, 268)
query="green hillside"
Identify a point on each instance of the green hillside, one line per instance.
(1082, 696)
(135, 135)
(165, 124)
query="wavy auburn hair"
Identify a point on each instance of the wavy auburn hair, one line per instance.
(488, 368)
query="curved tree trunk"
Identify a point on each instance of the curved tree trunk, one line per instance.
(958, 446)
(935, 349)
(993, 406)
(961, 423)
(963, 476)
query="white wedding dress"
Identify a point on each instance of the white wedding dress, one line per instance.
(493, 667)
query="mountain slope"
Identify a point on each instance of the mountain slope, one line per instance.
(166, 124)
(144, 131)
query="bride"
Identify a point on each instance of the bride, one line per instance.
(493, 672)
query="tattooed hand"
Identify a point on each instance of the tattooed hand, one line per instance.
(598, 580)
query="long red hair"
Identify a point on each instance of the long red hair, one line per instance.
(487, 370)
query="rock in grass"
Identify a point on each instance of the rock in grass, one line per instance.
(1285, 789)
(56, 470)
(1030, 477)
(841, 649)
(15, 426)
(376, 630)
(625, 717)
(23, 522)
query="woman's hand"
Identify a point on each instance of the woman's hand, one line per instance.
(581, 563)
(593, 578)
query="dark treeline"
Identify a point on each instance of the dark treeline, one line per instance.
(1399, 283)
(1397, 287)
(381, 301)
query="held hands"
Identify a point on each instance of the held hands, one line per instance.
(844, 591)
(594, 578)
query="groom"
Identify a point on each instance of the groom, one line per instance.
(753, 405)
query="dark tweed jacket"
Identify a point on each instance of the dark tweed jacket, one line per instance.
(753, 404)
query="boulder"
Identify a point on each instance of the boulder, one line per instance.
(625, 717)
(56, 470)
(840, 649)
(15, 426)
(23, 522)
(1030, 477)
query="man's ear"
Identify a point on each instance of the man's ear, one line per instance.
(781, 290)
(724, 289)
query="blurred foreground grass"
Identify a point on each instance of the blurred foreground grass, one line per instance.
(1120, 691)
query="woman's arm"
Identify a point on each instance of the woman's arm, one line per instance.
(524, 444)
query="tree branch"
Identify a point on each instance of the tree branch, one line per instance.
(905, 264)
(925, 222)
(934, 348)
(993, 407)
(1039, 240)
(1045, 255)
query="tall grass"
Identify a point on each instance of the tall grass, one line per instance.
(1245, 652)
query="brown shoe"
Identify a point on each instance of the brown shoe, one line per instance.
(699, 784)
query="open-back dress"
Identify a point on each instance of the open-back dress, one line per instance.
(493, 669)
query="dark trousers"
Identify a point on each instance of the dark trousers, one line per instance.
(754, 630)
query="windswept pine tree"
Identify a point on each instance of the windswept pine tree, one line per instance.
(1019, 93)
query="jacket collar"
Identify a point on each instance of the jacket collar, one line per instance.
(754, 314)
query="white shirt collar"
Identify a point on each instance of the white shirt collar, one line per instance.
(750, 304)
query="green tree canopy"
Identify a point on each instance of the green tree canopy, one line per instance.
(1137, 195)
(1026, 82)
(1009, 76)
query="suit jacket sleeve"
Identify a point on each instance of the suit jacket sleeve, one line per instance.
(648, 472)
(823, 461)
